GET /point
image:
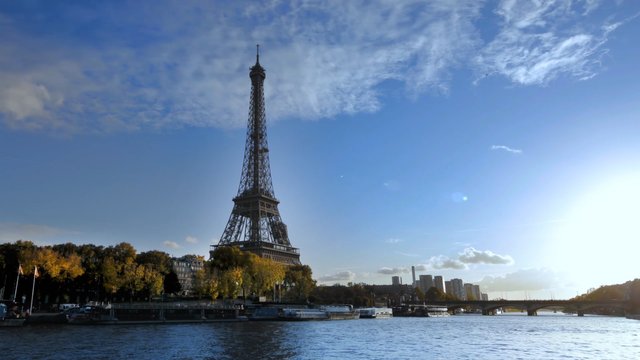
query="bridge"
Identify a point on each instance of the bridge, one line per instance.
(489, 307)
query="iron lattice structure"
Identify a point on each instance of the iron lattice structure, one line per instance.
(255, 224)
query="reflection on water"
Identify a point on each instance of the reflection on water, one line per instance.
(459, 337)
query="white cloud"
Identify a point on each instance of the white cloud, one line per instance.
(469, 256)
(393, 240)
(191, 240)
(421, 267)
(11, 232)
(507, 149)
(391, 185)
(407, 254)
(444, 262)
(393, 271)
(323, 58)
(538, 41)
(473, 256)
(521, 280)
(171, 244)
(338, 277)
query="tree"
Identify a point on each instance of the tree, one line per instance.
(228, 257)
(230, 282)
(152, 280)
(299, 282)
(435, 294)
(262, 274)
(158, 260)
(171, 283)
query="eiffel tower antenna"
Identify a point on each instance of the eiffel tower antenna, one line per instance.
(255, 224)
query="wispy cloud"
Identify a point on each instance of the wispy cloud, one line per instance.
(414, 255)
(391, 185)
(342, 276)
(507, 149)
(171, 244)
(444, 262)
(191, 240)
(10, 232)
(473, 256)
(521, 280)
(539, 41)
(323, 58)
(421, 267)
(393, 240)
(393, 271)
(469, 256)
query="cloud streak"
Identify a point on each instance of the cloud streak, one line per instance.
(521, 280)
(323, 58)
(171, 244)
(506, 148)
(469, 256)
(393, 271)
(341, 276)
(539, 41)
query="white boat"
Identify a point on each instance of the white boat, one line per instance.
(437, 311)
(303, 314)
(330, 312)
(375, 313)
(341, 312)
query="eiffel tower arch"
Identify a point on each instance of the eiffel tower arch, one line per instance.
(255, 224)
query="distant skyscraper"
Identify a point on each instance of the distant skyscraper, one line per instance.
(396, 280)
(472, 292)
(468, 292)
(476, 292)
(447, 287)
(426, 282)
(457, 287)
(484, 296)
(413, 276)
(438, 282)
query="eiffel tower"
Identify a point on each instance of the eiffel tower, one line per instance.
(255, 224)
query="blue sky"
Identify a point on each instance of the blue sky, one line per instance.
(493, 141)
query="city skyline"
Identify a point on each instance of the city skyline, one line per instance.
(496, 142)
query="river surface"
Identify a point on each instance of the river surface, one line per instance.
(456, 337)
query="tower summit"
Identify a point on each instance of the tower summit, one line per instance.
(255, 224)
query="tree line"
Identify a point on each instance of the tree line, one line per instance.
(82, 273)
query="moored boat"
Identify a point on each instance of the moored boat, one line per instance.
(375, 313)
(297, 314)
(9, 318)
(341, 312)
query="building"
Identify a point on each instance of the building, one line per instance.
(413, 276)
(186, 268)
(484, 296)
(396, 280)
(438, 282)
(447, 287)
(472, 292)
(457, 289)
(425, 283)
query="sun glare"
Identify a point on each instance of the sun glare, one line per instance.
(600, 241)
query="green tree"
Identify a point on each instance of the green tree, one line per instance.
(299, 282)
(157, 260)
(261, 274)
(171, 283)
(228, 257)
(230, 282)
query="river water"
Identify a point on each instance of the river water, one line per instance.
(512, 336)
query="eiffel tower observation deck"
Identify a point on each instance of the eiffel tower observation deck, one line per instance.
(255, 224)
